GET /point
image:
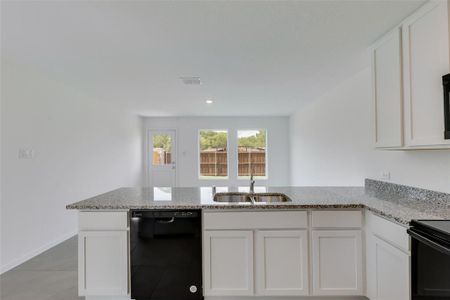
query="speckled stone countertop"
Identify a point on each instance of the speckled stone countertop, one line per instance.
(396, 202)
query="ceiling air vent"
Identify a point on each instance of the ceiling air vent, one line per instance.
(192, 80)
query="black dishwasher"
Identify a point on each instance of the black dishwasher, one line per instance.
(166, 255)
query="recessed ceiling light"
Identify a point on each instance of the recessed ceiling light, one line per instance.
(209, 101)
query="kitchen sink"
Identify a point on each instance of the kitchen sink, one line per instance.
(270, 197)
(252, 198)
(232, 197)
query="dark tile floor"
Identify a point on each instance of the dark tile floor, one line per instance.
(51, 275)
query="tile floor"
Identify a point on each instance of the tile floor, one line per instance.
(51, 275)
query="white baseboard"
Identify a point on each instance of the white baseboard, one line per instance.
(11, 265)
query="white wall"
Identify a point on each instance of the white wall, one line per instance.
(82, 146)
(187, 133)
(332, 143)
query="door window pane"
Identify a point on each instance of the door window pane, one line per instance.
(162, 149)
(252, 153)
(213, 154)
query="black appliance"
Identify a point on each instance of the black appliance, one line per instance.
(166, 255)
(430, 259)
(446, 82)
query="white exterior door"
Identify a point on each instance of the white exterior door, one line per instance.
(337, 262)
(162, 158)
(228, 263)
(282, 262)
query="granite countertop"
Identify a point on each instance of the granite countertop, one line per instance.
(396, 202)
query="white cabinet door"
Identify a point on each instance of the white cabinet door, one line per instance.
(282, 262)
(387, 90)
(388, 271)
(103, 263)
(228, 263)
(337, 262)
(426, 60)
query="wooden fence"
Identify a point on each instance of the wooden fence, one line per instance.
(214, 162)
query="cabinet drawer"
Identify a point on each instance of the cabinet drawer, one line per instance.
(255, 220)
(336, 219)
(388, 231)
(103, 220)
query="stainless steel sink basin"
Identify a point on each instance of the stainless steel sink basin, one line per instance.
(232, 197)
(271, 197)
(253, 198)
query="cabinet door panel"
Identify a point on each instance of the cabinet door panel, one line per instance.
(228, 264)
(387, 90)
(282, 262)
(103, 263)
(337, 262)
(426, 53)
(388, 271)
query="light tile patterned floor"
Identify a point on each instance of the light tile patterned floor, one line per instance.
(51, 275)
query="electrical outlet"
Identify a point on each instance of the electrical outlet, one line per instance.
(26, 153)
(386, 175)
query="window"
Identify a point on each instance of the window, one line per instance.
(162, 149)
(213, 145)
(252, 153)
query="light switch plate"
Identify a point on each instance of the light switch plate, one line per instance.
(26, 153)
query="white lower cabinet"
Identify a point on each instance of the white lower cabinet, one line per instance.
(337, 262)
(228, 262)
(281, 262)
(388, 266)
(387, 271)
(103, 263)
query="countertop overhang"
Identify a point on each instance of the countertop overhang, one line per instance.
(394, 206)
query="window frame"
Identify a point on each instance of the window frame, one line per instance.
(209, 178)
(266, 177)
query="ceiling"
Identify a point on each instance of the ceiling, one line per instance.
(253, 57)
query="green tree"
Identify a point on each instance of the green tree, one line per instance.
(254, 141)
(162, 141)
(210, 139)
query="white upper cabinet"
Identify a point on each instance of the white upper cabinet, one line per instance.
(387, 90)
(426, 60)
(407, 65)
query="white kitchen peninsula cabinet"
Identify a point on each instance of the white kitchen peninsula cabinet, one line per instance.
(282, 262)
(103, 251)
(228, 259)
(337, 262)
(426, 59)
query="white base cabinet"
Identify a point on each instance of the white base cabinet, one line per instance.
(337, 262)
(282, 262)
(387, 260)
(228, 263)
(103, 255)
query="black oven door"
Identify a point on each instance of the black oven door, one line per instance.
(430, 267)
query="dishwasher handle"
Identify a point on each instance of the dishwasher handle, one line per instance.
(165, 221)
